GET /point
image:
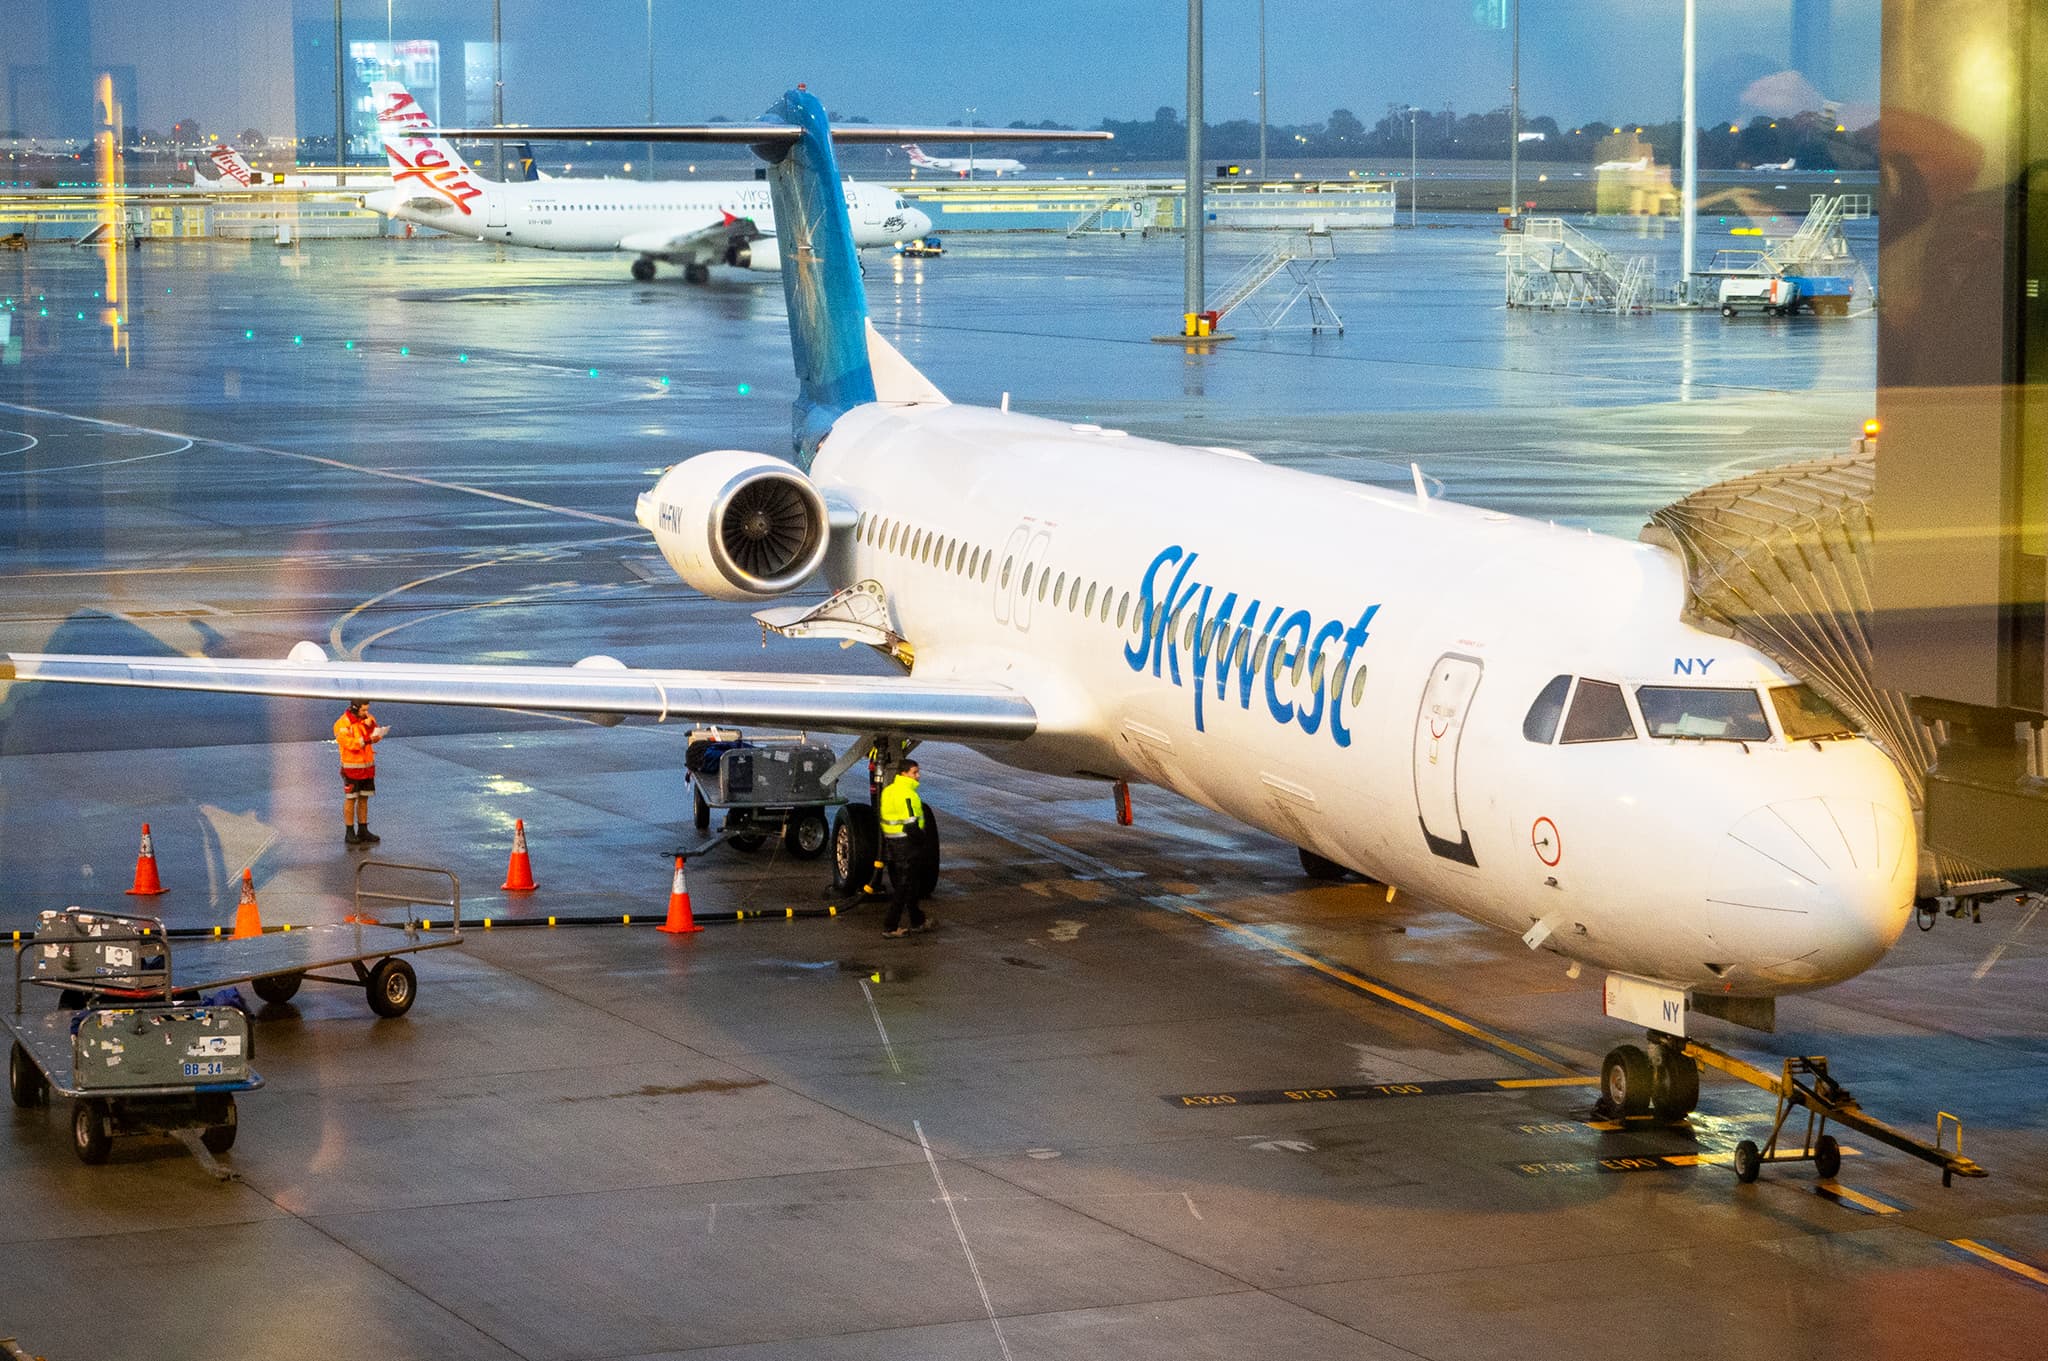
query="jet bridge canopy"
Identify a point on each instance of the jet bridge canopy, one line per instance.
(1781, 559)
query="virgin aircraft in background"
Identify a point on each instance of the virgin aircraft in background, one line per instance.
(966, 167)
(695, 224)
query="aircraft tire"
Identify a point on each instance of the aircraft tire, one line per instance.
(1321, 870)
(643, 269)
(854, 848)
(1625, 1080)
(926, 865)
(696, 274)
(1676, 1085)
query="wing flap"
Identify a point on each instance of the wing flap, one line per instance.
(820, 702)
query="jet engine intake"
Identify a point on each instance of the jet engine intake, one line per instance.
(737, 525)
(762, 256)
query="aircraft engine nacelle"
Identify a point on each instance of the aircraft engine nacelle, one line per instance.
(737, 525)
(762, 256)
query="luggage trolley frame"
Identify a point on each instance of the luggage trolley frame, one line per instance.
(145, 1063)
(276, 963)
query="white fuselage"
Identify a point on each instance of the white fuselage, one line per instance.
(1023, 551)
(611, 215)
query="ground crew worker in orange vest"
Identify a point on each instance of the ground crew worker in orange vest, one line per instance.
(356, 732)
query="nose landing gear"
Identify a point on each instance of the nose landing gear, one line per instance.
(1662, 1082)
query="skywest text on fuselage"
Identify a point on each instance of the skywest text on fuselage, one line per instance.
(1159, 645)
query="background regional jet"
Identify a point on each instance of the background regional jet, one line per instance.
(692, 224)
(966, 167)
(1511, 718)
(234, 173)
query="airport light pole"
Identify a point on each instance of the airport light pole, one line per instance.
(1262, 89)
(972, 109)
(650, 85)
(1515, 111)
(340, 113)
(1689, 161)
(1412, 111)
(1192, 199)
(498, 79)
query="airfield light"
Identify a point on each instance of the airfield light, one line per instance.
(744, 389)
(404, 350)
(1774, 124)
(1840, 128)
(298, 340)
(664, 380)
(593, 373)
(1639, 131)
(1617, 132)
(462, 359)
(44, 312)
(81, 316)
(1870, 428)
(248, 335)
(1733, 129)
(348, 344)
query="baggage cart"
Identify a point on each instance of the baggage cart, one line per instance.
(765, 787)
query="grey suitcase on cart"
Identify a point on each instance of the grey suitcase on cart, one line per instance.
(160, 1047)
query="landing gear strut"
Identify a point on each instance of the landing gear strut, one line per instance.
(643, 269)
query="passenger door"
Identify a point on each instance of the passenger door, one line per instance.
(1439, 729)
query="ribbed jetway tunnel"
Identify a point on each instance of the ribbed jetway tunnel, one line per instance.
(1781, 559)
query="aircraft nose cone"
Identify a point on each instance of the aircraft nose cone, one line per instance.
(1828, 877)
(920, 225)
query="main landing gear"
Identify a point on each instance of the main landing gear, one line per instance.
(643, 269)
(1662, 1081)
(696, 274)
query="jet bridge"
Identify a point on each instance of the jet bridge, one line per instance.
(1781, 559)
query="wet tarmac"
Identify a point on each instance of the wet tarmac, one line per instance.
(786, 1136)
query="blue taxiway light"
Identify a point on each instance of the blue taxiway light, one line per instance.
(593, 373)
(298, 340)
(404, 350)
(744, 389)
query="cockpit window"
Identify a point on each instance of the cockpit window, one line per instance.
(1712, 715)
(1541, 724)
(1599, 714)
(1804, 715)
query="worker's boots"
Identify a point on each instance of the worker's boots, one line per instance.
(349, 834)
(366, 837)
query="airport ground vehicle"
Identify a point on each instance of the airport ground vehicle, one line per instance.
(765, 786)
(1781, 295)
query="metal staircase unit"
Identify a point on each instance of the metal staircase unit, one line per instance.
(1552, 266)
(1270, 299)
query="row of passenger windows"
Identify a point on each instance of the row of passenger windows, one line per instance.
(1094, 600)
(1599, 712)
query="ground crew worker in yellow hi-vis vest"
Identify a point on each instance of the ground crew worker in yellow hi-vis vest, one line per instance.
(355, 733)
(902, 823)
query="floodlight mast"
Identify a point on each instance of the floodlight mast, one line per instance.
(1192, 200)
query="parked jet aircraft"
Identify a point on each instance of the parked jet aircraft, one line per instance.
(235, 174)
(966, 167)
(1639, 163)
(695, 225)
(1789, 164)
(1512, 718)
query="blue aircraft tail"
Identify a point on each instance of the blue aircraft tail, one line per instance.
(821, 282)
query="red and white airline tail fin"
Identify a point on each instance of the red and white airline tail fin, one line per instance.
(233, 169)
(916, 154)
(423, 164)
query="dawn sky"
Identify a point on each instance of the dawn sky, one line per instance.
(233, 62)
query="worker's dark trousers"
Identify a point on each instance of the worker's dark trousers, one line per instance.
(900, 854)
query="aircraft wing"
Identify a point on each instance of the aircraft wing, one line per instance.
(596, 685)
(703, 242)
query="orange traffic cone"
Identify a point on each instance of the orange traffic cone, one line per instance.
(680, 921)
(146, 883)
(248, 922)
(519, 873)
